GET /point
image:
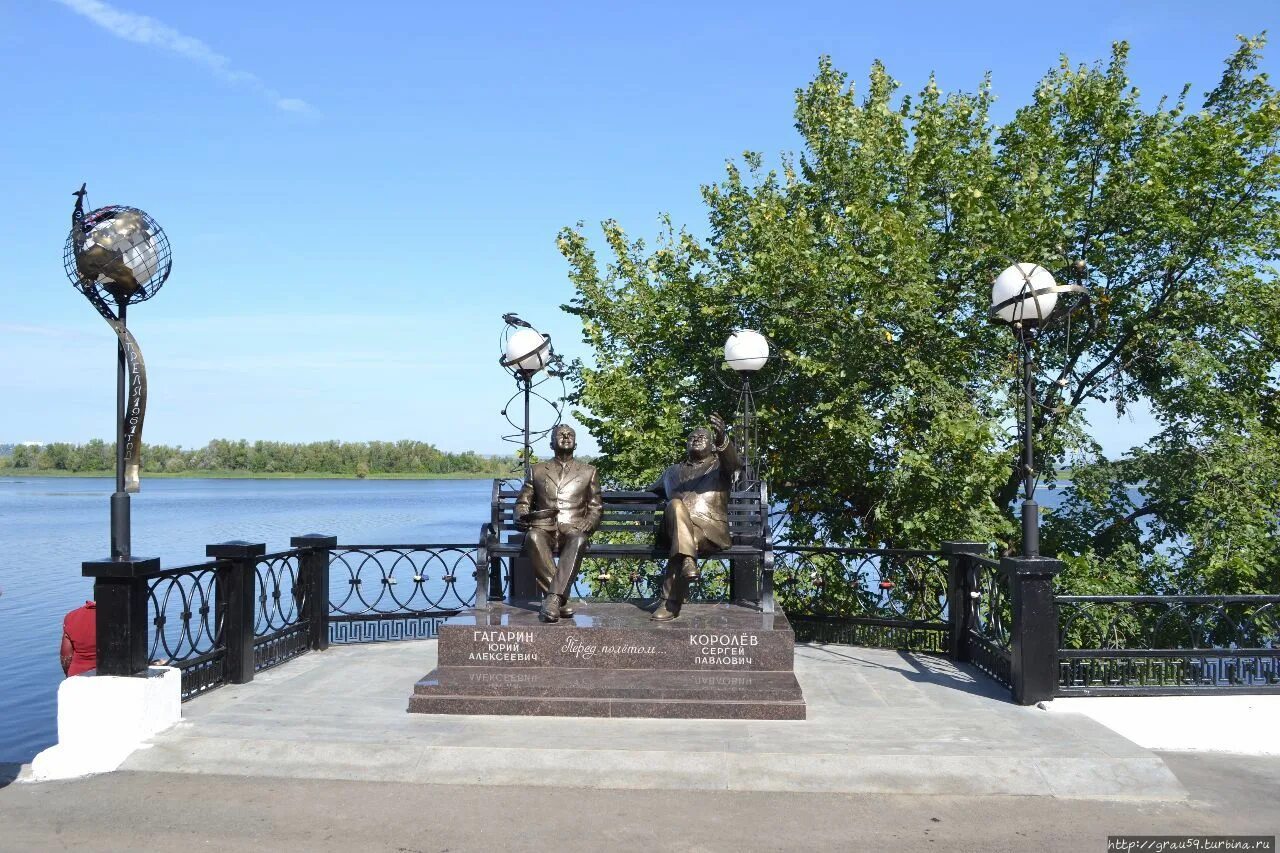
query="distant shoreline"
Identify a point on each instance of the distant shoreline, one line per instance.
(25, 473)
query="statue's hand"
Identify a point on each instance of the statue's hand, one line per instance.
(718, 429)
(522, 525)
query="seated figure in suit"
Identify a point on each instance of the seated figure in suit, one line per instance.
(558, 508)
(696, 516)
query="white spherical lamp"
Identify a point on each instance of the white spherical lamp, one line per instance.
(1024, 293)
(526, 350)
(746, 351)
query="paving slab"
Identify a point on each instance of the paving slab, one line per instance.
(879, 722)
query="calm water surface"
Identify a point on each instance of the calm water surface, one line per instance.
(48, 526)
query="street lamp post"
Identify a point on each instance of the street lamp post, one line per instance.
(122, 254)
(525, 353)
(1025, 297)
(746, 351)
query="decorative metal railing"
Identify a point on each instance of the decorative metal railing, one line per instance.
(220, 622)
(185, 624)
(886, 598)
(618, 579)
(245, 611)
(397, 592)
(281, 628)
(1136, 644)
(990, 617)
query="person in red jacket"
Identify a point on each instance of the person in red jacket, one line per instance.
(79, 651)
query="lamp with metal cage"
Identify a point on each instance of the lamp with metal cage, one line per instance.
(1028, 298)
(528, 356)
(747, 352)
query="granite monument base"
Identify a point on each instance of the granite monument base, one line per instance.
(717, 661)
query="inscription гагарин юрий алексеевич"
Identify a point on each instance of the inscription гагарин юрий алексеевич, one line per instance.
(501, 646)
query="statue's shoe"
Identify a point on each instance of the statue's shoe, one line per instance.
(550, 609)
(566, 610)
(689, 569)
(662, 614)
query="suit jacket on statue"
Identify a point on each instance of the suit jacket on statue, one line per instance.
(704, 488)
(572, 489)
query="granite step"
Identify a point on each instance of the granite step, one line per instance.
(542, 706)
(566, 683)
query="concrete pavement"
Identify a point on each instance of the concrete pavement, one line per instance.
(143, 812)
(880, 721)
(901, 751)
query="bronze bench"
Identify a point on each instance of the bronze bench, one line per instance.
(750, 556)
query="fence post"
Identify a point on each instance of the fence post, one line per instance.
(1034, 640)
(236, 593)
(313, 564)
(958, 607)
(120, 599)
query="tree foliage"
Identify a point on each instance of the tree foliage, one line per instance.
(867, 259)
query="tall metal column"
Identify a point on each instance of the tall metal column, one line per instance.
(121, 546)
(1030, 510)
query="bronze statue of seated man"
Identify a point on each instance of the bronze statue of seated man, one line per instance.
(559, 507)
(696, 515)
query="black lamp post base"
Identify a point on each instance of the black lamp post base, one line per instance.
(1030, 529)
(120, 592)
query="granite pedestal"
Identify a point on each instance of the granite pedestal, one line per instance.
(717, 661)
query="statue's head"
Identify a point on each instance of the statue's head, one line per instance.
(699, 444)
(564, 440)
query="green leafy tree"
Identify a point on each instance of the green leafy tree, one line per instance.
(867, 259)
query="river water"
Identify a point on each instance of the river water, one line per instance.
(48, 526)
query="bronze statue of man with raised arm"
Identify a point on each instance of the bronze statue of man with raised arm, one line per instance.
(696, 516)
(559, 508)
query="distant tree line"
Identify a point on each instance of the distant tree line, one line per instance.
(355, 459)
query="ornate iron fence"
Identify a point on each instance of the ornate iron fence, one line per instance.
(246, 610)
(217, 622)
(1168, 644)
(186, 625)
(886, 598)
(990, 617)
(618, 579)
(397, 592)
(281, 628)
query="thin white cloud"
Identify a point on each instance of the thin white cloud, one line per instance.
(142, 29)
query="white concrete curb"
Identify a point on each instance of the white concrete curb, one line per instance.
(1248, 724)
(102, 719)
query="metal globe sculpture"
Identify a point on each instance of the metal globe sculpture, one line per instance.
(121, 253)
(120, 250)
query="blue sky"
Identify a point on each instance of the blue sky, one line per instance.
(356, 192)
